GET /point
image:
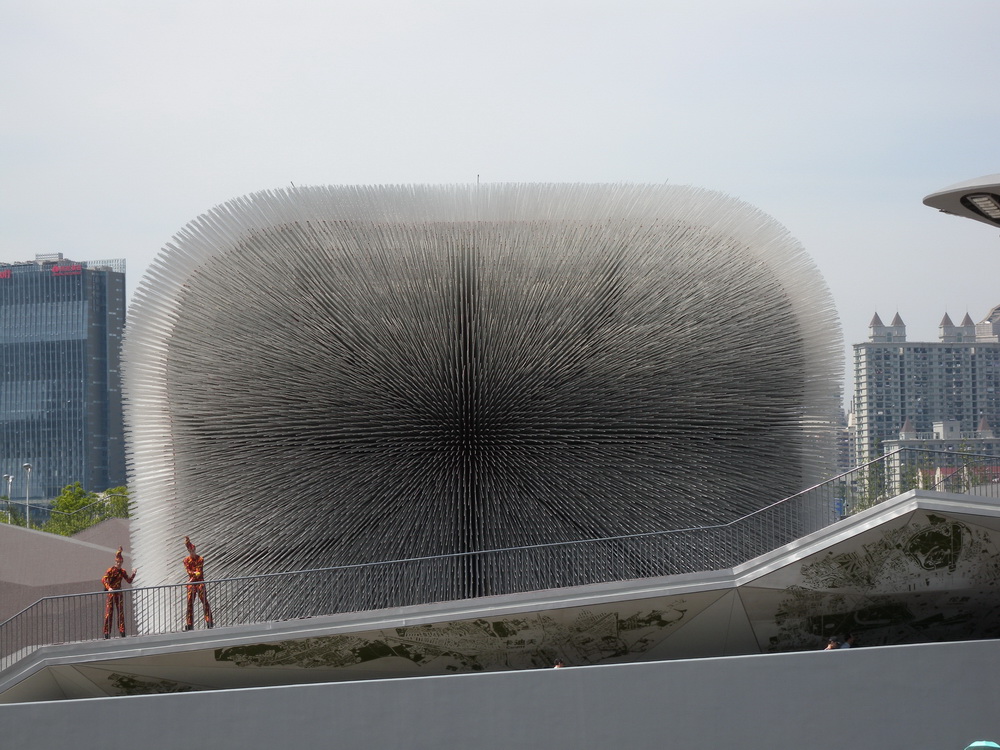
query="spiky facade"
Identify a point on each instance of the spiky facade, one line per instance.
(323, 376)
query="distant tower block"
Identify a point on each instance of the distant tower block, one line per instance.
(335, 375)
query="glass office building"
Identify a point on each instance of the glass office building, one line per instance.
(61, 325)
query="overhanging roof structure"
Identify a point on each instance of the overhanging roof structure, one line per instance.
(977, 199)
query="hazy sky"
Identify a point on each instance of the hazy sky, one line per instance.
(122, 121)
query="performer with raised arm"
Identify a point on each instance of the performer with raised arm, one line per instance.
(194, 564)
(112, 582)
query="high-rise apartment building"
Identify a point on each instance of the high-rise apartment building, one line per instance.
(954, 379)
(61, 325)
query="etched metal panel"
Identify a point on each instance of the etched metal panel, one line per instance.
(928, 577)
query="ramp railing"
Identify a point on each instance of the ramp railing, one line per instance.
(297, 594)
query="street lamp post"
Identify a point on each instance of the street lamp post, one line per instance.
(8, 478)
(27, 491)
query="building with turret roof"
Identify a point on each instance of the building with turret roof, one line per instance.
(946, 436)
(906, 387)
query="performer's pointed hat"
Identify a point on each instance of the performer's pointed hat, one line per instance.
(188, 544)
(118, 556)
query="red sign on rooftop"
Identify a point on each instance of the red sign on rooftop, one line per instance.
(5, 274)
(74, 270)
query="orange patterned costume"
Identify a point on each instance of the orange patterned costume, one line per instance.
(112, 582)
(194, 564)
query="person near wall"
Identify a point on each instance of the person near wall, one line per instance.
(112, 582)
(194, 565)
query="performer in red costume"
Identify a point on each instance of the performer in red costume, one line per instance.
(194, 564)
(112, 582)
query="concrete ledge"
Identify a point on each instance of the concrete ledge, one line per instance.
(922, 697)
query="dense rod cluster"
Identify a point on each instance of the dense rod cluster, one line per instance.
(323, 376)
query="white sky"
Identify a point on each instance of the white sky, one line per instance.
(122, 121)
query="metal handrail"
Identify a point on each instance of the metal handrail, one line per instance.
(101, 500)
(90, 511)
(388, 583)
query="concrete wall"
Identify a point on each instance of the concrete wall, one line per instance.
(34, 564)
(925, 697)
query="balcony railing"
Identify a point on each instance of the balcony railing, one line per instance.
(396, 583)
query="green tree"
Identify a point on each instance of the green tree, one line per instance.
(873, 482)
(970, 464)
(9, 512)
(72, 510)
(913, 465)
(76, 509)
(116, 502)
